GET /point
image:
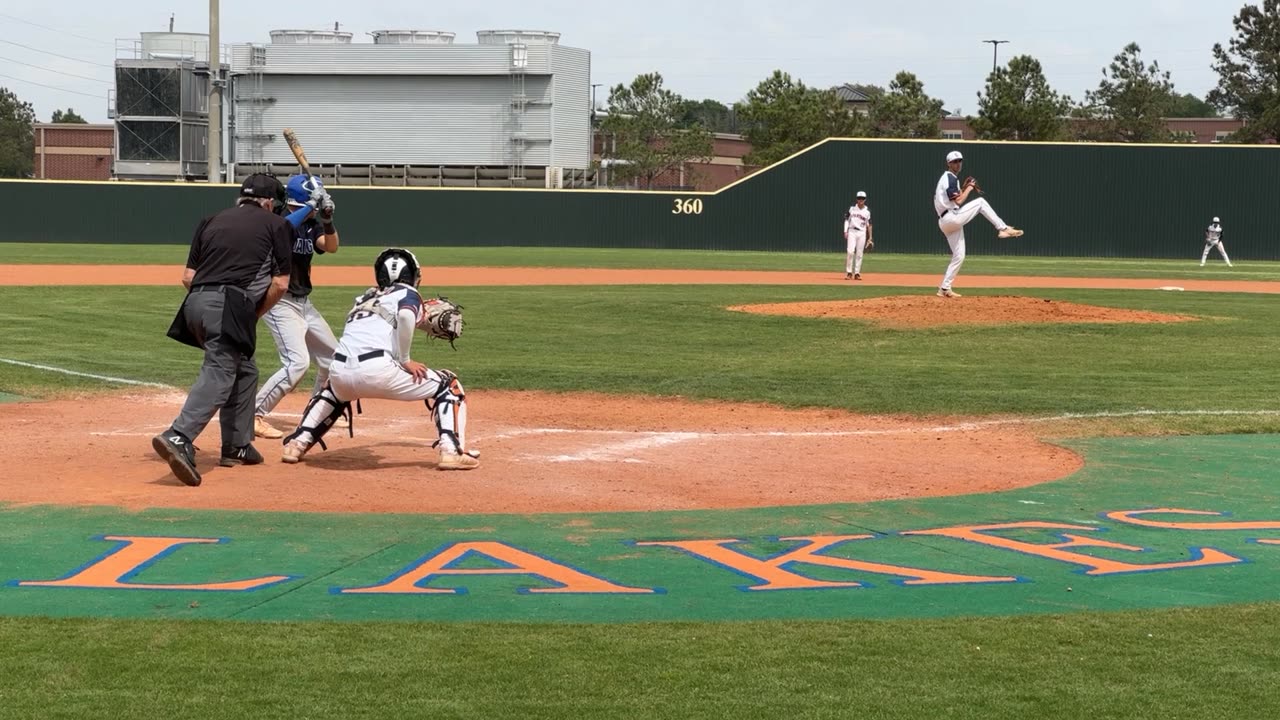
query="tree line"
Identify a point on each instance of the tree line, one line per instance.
(651, 130)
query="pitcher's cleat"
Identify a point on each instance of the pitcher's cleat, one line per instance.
(947, 293)
(1011, 232)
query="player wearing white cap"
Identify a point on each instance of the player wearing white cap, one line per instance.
(857, 235)
(953, 214)
(1213, 238)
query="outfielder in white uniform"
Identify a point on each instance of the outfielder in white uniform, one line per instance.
(299, 330)
(1212, 239)
(857, 234)
(372, 361)
(953, 214)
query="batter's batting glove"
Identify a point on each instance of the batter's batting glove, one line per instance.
(327, 207)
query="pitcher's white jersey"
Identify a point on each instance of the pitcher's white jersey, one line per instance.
(859, 219)
(948, 188)
(1214, 234)
(371, 323)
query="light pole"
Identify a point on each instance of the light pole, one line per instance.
(995, 46)
(214, 138)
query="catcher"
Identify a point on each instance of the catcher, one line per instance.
(372, 361)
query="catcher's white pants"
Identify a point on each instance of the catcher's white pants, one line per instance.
(301, 335)
(857, 245)
(1222, 250)
(952, 225)
(385, 379)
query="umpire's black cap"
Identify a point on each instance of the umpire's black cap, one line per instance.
(262, 185)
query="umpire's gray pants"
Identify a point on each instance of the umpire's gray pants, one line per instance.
(227, 379)
(301, 335)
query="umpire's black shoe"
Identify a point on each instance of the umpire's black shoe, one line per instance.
(176, 450)
(247, 455)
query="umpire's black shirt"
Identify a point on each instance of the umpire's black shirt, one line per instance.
(242, 246)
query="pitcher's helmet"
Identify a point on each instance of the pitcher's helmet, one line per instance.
(397, 265)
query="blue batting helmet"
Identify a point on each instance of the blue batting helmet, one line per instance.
(300, 187)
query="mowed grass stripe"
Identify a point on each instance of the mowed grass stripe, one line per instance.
(978, 263)
(673, 340)
(1209, 663)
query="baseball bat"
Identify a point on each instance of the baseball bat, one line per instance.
(298, 153)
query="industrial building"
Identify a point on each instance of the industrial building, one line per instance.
(408, 108)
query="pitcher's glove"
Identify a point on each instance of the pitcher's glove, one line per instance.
(441, 319)
(971, 180)
(870, 246)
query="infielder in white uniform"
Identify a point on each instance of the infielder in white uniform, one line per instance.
(300, 331)
(857, 235)
(372, 361)
(953, 214)
(1213, 238)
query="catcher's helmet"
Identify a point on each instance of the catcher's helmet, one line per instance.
(299, 188)
(397, 265)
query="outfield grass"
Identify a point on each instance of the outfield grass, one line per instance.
(665, 340)
(880, 262)
(1214, 663)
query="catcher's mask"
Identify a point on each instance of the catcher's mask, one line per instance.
(397, 265)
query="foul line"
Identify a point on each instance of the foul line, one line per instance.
(104, 378)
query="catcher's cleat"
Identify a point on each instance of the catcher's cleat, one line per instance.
(293, 452)
(857, 276)
(263, 430)
(1011, 232)
(247, 455)
(455, 461)
(342, 422)
(176, 450)
(948, 293)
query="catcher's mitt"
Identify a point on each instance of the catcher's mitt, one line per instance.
(441, 319)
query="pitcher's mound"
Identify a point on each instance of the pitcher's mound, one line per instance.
(922, 311)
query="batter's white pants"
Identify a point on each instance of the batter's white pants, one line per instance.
(301, 335)
(952, 225)
(385, 379)
(1222, 250)
(857, 242)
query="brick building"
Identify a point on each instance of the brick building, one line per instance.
(724, 167)
(73, 151)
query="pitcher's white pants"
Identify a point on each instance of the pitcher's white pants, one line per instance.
(383, 378)
(301, 335)
(952, 225)
(857, 242)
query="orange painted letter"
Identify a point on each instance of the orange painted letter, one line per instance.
(113, 570)
(1134, 517)
(773, 575)
(410, 581)
(1205, 557)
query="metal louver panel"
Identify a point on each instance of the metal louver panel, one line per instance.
(571, 120)
(394, 60)
(430, 120)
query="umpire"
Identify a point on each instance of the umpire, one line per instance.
(238, 268)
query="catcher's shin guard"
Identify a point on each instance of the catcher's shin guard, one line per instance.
(450, 410)
(322, 412)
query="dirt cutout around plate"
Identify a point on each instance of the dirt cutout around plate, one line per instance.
(929, 311)
(541, 453)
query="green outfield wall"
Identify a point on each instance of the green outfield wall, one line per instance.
(1093, 200)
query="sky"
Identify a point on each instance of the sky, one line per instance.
(716, 50)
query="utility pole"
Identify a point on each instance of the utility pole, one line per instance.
(995, 46)
(214, 148)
